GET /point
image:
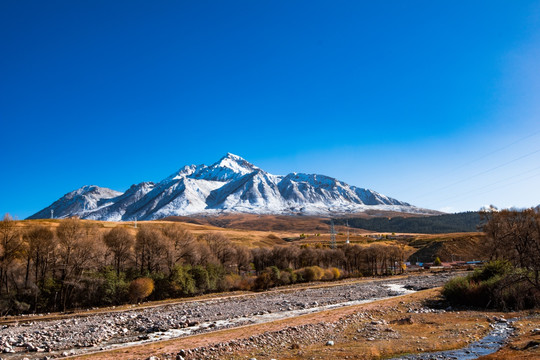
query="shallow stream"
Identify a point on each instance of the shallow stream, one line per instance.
(492, 342)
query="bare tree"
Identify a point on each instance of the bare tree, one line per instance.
(371, 255)
(514, 235)
(394, 256)
(68, 232)
(120, 242)
(184, 245)
(262, 258)
(353, 258)
(151, 248)
(243, 258)
(79, 249)
(40, 252)
(222, 248)
(11, 247)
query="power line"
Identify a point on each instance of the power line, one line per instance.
(498, 150)
(476, 160)
(480, 173)
(476, 191)
(501, 187)
(512, 183)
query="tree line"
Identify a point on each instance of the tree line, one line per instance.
(78, 265)
(512, 279)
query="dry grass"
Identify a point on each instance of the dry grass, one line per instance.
(448, 247)
(250, 238)
(279, 223)
(270, 230)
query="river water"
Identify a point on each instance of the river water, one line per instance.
(489, 344)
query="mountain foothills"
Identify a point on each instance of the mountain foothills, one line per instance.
(471, 221)
(231, 185)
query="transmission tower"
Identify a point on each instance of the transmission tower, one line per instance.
(332, 235)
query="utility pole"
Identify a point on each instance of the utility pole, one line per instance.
(347, 232)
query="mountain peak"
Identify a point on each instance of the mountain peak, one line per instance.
(232, 184)
(227, 168)
(233, 161)
(232, 156)
(79, 202)
(93, 191)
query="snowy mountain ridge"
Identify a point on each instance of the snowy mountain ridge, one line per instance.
(231, 185)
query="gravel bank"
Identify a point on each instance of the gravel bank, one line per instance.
(58, 338)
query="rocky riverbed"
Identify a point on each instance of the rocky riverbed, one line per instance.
(296, 337)
(59, 338)
(501, 329)
(370, 327)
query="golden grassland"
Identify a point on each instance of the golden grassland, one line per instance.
(270, 230)
(250, 238)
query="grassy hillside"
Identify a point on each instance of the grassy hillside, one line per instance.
(249, 238)
(440, 224)
(259, 222)
(449, 247)
(297, 223)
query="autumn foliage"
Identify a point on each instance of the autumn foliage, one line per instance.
(72, 263)
(140, 289)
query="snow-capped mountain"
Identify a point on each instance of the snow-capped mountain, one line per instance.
(231, 185)
(81, 202)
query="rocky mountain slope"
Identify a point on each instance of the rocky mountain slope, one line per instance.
(231, 185)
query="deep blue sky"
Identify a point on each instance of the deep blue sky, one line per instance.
(435, 103)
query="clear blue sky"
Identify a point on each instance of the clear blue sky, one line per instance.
(435, 103)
